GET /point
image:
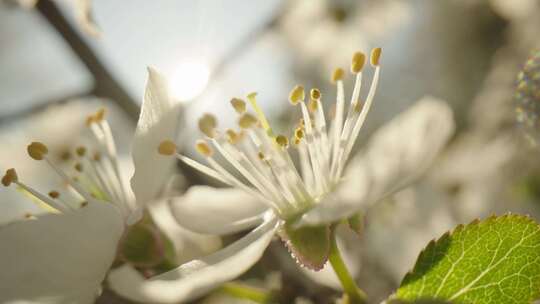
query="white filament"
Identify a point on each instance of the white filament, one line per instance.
(268, 167)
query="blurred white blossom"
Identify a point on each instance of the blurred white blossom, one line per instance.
(326, 32)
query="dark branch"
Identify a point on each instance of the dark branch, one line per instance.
(105, 85)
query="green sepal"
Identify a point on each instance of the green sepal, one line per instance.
(142, 246)
(169, 261)
(356, 222)
(146, 248)
(309, 245)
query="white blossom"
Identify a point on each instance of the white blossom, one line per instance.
(64, 254)
(272, 194)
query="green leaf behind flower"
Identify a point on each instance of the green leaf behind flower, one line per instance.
(492, 261)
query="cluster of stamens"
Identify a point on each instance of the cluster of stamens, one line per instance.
(91, 176)
(262, 157)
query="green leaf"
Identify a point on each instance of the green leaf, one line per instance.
(309, 245)
(425, 301)
(492, 261)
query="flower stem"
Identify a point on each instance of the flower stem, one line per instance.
(354, 294)
(243, 291)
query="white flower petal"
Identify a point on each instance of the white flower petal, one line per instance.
(396, 154)
(188, 245)
(15, 206)
(157, 122)
(209, 210)
(60, 258)
(197, 277)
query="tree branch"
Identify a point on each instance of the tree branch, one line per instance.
(105, 84)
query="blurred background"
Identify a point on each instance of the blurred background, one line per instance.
(55, 69)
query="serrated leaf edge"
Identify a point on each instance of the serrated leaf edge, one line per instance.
(458, 228)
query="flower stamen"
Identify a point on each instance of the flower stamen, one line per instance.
(105, 140)
(375, 58)
(217, 171)
(167, 147)
(239, 105)
(11, 177)
(54, 194)
(247, 121)
(297, 95)
(263, 162)
(207, 125)
(204, 149)
(37, 150)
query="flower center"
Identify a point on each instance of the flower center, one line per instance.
(261, 159)
(92, 176)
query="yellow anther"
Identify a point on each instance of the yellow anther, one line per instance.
(78, 167)
(208, 124)
(234, 137)
(100, 115)
(296, 141)
(337, 75)
(315, 94)
(96, 117)
(247, 121)
(203, 148)
(297, 95)
(282, 141)
(54, 194)
(375, 56)
(97, 156)
(84, 204)
(37, 150)
(90, 120)
(81, 151)
(358, 61)
(65, 155)
(10, 177)
(239, 105)
(167, 147)
(261, 155)
(28, 216)
(299, 133)
(231, 135)
(357, 107)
